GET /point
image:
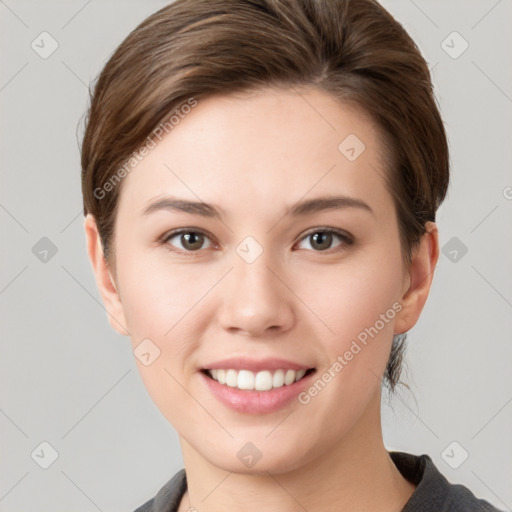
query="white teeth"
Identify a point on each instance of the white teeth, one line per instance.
(245, 380)
(231, 378)
(300, 374)
(289, 377)
(263, 381)
(278, 379)
(260, 381)
(220, 376)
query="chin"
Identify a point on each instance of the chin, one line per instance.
(258, 458)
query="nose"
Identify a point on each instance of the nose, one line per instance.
(255, 301)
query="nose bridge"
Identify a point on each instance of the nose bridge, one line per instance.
(255, 298)
(254, 275)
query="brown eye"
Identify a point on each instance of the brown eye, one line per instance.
(192, 241)
(322, 240)
(188, 241)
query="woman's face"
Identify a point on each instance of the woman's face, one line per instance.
(268, 276)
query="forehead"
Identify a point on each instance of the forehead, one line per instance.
(263, 147)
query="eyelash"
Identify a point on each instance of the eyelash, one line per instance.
(346, 239)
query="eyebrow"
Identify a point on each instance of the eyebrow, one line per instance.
(301, 208)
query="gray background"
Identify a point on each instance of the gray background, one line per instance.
(69, 380)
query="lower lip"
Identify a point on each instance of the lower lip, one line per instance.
(256, 402)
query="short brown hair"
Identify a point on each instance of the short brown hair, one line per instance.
(354, 50)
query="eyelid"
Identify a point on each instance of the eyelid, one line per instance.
(326, 229)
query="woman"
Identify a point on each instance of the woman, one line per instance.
(260, 185)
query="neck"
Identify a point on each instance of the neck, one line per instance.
(355, 474)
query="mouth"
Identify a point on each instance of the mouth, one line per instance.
(263, 380)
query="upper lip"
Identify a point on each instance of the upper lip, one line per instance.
(256, 365)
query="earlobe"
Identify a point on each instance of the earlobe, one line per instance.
(417, 287)
(104, 280)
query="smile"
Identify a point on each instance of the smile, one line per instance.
(264, 380)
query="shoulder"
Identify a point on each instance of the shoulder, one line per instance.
(434, 493)
(168, 497)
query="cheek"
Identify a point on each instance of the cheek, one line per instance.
(162, 303)
(351, 298)
(158, 296)
(358, 303)
(357, 300)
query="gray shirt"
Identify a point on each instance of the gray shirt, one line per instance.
(434, 493)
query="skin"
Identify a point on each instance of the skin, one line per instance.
(254, 155)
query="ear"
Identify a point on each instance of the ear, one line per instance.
(417, 285)
(104, 280)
